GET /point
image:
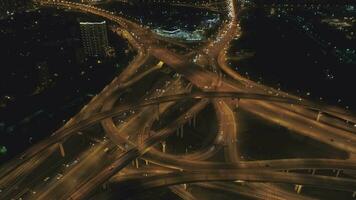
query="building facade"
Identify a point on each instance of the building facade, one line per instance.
(94, 38)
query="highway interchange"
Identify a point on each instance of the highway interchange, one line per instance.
(126, 151)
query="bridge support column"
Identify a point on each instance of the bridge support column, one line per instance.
(354, 194)
(338, 173)
(136, 163)
(237, 103)
(157, 112)
(298, 188)
(194, 121)
(185, 186)
(146, 131)
(313, 171)
(164, 147)
(140, 137)
(61, 149)
(219, 81)
(319, 116)
(180, 131)
(146, 162)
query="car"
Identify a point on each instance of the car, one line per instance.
(59, 176)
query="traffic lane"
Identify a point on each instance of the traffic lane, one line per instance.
(317, 181)
(135, 152)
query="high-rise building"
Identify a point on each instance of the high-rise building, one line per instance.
(94, 38)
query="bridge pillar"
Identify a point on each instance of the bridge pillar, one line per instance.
(338, 173)
(140, 137)
(219, 79)
(157, 112)
(298, 188)
(136, 163)
(61, 149)
(319, 116)
(313, 171)
(182, 131)
(104, 186)
(354, 194)
(185, 186)
(237, 103)
(164, 147)
(146, 162)
(194, 121)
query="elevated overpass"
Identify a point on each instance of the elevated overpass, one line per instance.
(62, 134)
(151, 182)
(270, 106)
